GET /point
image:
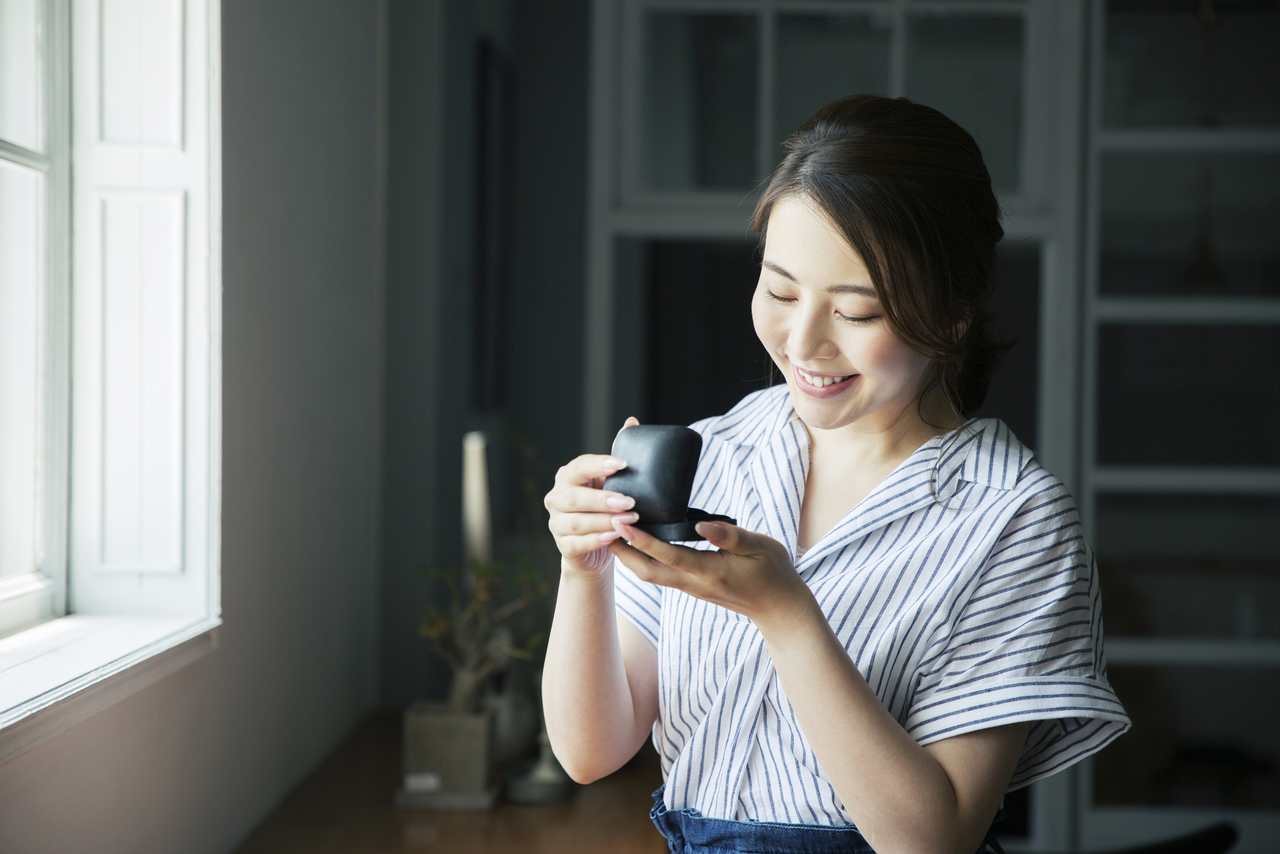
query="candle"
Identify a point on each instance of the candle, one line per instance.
(477, 529)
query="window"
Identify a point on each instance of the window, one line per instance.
(109, 342)
(34, 195)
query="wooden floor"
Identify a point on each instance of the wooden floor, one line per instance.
(345, 808)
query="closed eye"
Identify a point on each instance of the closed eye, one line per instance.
(846, 318)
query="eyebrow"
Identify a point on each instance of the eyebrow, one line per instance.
(860, 290)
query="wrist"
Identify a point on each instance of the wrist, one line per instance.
(791, 618)
(574, 573)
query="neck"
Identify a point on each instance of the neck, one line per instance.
(884, 441)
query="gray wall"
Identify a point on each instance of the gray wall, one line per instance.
(428, 238)
(194, 762)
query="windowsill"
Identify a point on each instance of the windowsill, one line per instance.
(57, 674)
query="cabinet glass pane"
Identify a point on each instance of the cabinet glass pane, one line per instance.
(20, 73)
(1201, 738)
(1171, 62)
(703, 355)
(21, 258)
(1189, 395)
(1205, 566)
(1190, 224)
(1014, 388)
(824, 57)
(700, 93)
(970, 67)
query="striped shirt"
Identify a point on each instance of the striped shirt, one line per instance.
(961, 587)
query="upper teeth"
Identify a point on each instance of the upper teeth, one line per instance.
(821, 381)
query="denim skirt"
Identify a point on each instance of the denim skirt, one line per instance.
(689, 832)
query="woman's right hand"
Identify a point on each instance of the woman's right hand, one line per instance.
(582, 514)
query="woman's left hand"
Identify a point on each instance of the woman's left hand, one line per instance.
(751, 574)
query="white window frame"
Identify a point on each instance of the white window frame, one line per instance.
(130, 516)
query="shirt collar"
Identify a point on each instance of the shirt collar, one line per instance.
(982, 451)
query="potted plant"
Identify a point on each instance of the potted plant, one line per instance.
(448, 745)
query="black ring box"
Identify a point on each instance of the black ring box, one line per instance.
(662, 461)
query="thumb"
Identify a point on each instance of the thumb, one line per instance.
(731, 538)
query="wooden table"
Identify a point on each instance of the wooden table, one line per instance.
(345, 808)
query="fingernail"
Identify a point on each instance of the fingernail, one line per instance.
(608, 536)
(709, 529)
(620, 502)
(613, 463)
(625, 518)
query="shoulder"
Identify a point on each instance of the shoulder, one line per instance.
(984, 452)
(756, 417)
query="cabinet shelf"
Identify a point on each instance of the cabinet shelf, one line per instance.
(1193, 652)
(1187, 309)
(1189, 140)
(1227, 480)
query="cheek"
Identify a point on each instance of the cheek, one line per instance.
(894, 360)
(767, 322)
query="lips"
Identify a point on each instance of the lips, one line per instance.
(822, 385)
(821, 380)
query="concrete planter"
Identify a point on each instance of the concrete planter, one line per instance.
(447, 759)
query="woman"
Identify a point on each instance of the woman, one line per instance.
(906, 623)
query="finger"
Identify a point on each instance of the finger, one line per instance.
(587, 467)
(645, 567)
(676, 557)
(631, 421)
(585, 499)
(731, 538)
(586, 543)
(574, 524)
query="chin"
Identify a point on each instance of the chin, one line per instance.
(815, 414)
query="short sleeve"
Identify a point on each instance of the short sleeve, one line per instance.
(638, 601)
(1025, 645)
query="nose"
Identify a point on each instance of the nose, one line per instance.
(809, 338)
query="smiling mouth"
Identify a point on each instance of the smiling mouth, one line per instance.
(818, 381)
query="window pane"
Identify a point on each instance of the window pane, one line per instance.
(1190, 224)
(20, 275)
(1180, 63)
(824, 57)
(700, 102)
(703, 354)
(970, 67)
(1203, 566)
(1189, 395)
(1197, 739)
(20, 73)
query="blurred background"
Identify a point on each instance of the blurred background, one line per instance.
(529, 218)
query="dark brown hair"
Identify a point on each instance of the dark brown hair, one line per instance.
(907, 187)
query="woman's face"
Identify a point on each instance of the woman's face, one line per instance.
(816, 312)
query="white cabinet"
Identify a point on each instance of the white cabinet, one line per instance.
(1181, 412)
(690, 102)
(1135, 147)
